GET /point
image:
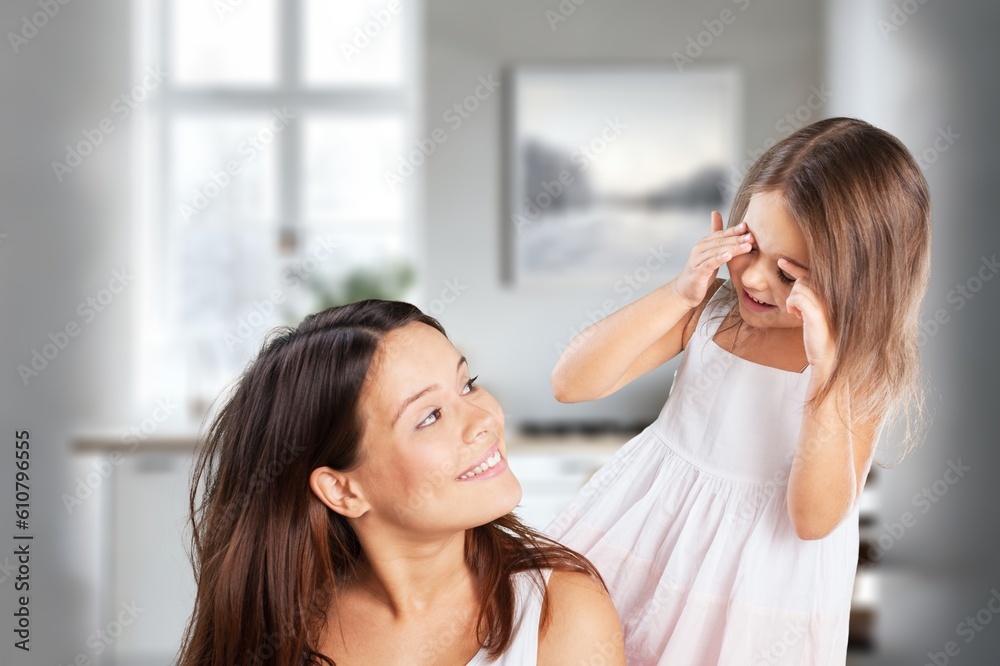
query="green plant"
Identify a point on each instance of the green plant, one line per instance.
(387, 282)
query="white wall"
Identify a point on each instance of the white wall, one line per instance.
(926, 71)
(511, 336)
(64, 240)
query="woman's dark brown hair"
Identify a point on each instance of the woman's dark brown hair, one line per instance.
(268, 556)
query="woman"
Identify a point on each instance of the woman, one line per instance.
(355, 509)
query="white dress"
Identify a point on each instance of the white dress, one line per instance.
(688, 524)
(523, 650)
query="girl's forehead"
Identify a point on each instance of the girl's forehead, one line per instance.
(774, 230)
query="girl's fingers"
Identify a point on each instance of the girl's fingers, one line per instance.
(716, 221)
(724, 233)
(794, 270)
(792, 305)
(725, 241)
(713, 261)
(804, 299)
(734, 245)
(717, 255)
(713, 256)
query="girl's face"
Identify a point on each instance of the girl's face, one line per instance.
(433, 455)
(756, 274)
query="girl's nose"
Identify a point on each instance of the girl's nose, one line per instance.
(754, 277)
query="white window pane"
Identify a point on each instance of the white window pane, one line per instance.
(216, 44)
(355, 43)
(224, 171)
(220, 301)
(346, 163)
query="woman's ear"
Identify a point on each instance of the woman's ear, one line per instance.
(338, 491)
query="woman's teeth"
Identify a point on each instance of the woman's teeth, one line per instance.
(756, 301)
(489, 462)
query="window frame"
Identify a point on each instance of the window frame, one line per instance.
(153, 123)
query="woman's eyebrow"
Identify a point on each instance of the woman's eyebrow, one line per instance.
(419, 394)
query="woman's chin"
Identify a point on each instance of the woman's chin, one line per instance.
(502, 499)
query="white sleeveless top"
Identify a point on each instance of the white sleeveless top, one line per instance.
(523, 650)
(688, 524)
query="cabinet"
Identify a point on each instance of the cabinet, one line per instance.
(137, 521)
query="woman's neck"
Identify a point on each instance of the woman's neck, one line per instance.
(414, 577)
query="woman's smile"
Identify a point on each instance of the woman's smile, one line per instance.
(490, 464)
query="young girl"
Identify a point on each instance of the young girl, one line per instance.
(727, 531)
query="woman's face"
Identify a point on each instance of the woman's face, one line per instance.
(756, 274)
(433, 455)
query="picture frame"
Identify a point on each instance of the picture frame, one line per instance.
(613, 166)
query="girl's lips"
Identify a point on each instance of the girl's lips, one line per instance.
(753, 305)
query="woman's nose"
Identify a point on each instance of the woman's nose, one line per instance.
(480, 421)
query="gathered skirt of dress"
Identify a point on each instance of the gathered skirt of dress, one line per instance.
(688, 524)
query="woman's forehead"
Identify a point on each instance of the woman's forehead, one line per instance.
(409, 359)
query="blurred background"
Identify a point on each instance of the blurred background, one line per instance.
(180, 176)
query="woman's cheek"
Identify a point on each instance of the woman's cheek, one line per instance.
(493, 406)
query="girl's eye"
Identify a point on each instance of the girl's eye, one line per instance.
(436, 414)
(784, 277)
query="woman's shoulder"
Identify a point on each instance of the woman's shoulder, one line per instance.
(582, 623)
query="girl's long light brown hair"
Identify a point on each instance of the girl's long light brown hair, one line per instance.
(863, 206)
(268, 556)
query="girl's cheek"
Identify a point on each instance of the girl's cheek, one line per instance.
(737, 263)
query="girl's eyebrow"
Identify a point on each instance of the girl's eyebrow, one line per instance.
(781, 254)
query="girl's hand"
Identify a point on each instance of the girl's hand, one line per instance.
(804, 303)
(707, 256)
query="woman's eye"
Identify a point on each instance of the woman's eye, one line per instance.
(431, 418)
(783, 276)
(470, 387)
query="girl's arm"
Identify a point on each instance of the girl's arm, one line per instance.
(622, 347)
(835, 450)
(830, 466)
(648, 332)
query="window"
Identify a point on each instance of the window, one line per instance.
(261, 165)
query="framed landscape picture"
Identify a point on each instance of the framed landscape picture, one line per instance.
(614, 168)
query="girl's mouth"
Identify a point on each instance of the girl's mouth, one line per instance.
(754, 305)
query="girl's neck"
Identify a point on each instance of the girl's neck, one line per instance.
(781, 348)
(748, 335)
